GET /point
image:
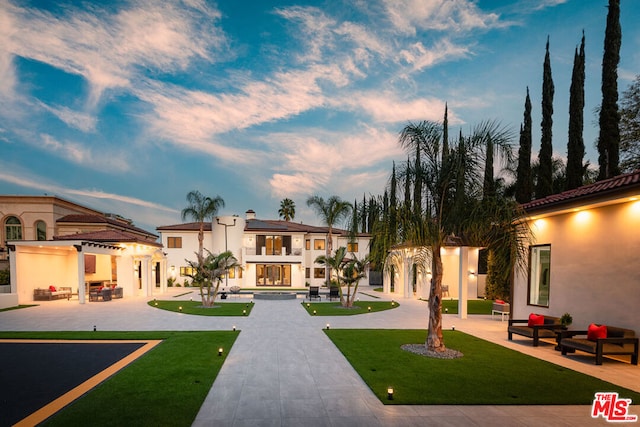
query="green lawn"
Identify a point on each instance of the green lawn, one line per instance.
(474, 306)
(195, 307)
(164, 387)
(359, 307)
(488, 374)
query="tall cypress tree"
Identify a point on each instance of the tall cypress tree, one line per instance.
(544, 184)
(417, 185)
(488, 187)
(445, 132)
(393, 202)
(524, 183)
(365, 214)
(609, 138)
(575, 144)
(407, 189)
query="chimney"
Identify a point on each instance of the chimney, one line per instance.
(251, 214)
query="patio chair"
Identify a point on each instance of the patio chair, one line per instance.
(334, 292)
(314, 292)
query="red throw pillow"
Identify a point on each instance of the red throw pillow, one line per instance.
(535, 319)
(594, 332)
(52, 288)
(499, 301)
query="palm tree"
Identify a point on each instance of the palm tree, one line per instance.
(331, 211)
(452, 185)
(353, 270)
(334, 263)
(349, 271)
(213, 269)
(287, 209)
(200, 209)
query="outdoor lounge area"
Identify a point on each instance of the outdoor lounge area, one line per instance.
(52, 293)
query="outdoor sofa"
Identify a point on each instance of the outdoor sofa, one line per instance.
(51, 293)
(601, 340)
(535, 327)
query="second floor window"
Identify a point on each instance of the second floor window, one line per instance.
(41, 230)
(318, 244)
(274, 245)
(12, 229)
(174, 242)
(352, 247)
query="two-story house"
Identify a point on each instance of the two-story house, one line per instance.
(272, 253)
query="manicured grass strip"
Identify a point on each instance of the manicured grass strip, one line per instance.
(166, 386)
(359, 307)
(17, 307)
(195, 307)
(474, 306)
(369, 295)
(183, 294)
(488, 374)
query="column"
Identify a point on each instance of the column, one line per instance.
(463, 280)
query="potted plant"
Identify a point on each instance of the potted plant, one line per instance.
(566, 320)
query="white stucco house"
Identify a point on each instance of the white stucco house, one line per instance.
(272, 253)
(584, 259)
(48, 241)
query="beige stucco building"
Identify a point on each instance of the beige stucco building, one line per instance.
(584, 257)
(48, 241)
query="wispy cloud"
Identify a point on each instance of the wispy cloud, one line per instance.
(108, 49)
(84, 155)
(46, 185)
(335, 158)
(411, 16)
(75, 119)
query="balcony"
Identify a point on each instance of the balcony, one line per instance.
(250, 255)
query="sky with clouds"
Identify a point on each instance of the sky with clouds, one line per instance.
(125, 106)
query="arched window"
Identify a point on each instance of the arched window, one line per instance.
(41, 230)
(12, 228)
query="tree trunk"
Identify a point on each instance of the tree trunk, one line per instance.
(434, 339)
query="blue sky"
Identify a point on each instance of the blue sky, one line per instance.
(125, 106)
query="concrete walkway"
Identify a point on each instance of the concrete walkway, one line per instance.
(284, 371)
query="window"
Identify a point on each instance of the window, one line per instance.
(235, 272)
(318, 244)
(274, 245)
(273, 275)
(12, 229)
(41, 230)
(187, 271)
(352, 247)
(539, 275)
(307, 272)
(307, 244)
(319, 273)
(174, 242)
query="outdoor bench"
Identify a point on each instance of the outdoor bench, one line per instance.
(49, 294)
(501, 308)
(618, 341)
(545, 330)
